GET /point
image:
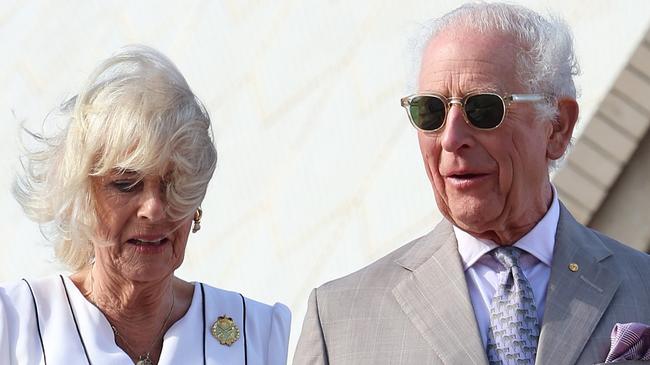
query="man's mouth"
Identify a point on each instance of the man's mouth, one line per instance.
(468, 176)
(466, 180)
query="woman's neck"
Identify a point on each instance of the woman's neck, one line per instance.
(127, 301)
(139, 313)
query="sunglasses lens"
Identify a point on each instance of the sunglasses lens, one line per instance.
(427, 112)
(484, 111)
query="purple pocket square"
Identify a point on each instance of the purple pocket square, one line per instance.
(630, 341)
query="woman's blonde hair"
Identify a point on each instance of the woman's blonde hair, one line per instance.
(136, 112)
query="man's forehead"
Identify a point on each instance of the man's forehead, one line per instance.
(465, 33)
(462, 60)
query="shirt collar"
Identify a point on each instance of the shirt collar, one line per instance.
(538, 242)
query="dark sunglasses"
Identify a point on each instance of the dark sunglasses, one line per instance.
(485, 111)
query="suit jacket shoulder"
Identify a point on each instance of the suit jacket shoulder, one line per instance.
(639, 260)
(384, 272)
(595, 283)
(374, 315)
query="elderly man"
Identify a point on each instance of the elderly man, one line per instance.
(508, 277)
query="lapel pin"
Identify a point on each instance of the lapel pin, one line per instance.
(573, 267)
(225, 330)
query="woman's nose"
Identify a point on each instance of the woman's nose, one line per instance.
(152, 205)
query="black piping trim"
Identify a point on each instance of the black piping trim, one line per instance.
(203, 311)
(38, 322)
(74, 318)
(243, 303)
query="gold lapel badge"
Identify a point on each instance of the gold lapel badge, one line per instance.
(225, 330)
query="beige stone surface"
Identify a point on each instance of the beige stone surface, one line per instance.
(582, 188)
(624, 115)
(616, 143)
(641, 59)
(608, 141)
(624, 213)
(635, 88)
(596, 165)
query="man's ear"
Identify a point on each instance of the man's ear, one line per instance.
(562, 128)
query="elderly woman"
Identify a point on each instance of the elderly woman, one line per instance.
(119, 189)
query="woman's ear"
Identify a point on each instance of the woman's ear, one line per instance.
(563, 126)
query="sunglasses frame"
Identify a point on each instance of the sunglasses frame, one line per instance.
(448, 102)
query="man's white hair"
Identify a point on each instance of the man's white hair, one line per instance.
(137, 113)
(546, 62)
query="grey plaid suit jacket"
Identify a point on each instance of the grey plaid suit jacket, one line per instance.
(413, 307)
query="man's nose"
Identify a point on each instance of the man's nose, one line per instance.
(456, 133)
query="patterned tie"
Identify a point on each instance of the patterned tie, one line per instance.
(513, 332)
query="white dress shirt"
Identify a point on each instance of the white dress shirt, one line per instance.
(481, 270)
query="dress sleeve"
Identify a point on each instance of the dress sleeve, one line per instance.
(19, 337)
(5, 346)
(279, 335)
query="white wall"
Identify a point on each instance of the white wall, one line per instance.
(319, 171)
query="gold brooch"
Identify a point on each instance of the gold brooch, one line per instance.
(225, 330)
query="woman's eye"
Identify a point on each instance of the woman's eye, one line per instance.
(125, 186)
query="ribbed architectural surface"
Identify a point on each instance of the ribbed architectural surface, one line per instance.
(602, 153)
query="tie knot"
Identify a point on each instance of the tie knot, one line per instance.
(507, 256)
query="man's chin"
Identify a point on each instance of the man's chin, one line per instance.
(476, 218)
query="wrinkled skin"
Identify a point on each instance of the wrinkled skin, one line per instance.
(127, 213)
(493, 184)
(137, 249)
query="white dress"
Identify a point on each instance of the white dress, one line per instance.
(70, 330)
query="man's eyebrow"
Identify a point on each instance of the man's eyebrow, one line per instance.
(473, 90)
(484, 89)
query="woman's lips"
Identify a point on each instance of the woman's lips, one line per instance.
(136, 241)
(148, 245)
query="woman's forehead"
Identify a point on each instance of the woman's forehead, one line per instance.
(121, 171)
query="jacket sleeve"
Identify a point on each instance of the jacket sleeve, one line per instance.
(311, 349)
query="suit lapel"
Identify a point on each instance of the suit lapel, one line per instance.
(575, 301)
(436, 299)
